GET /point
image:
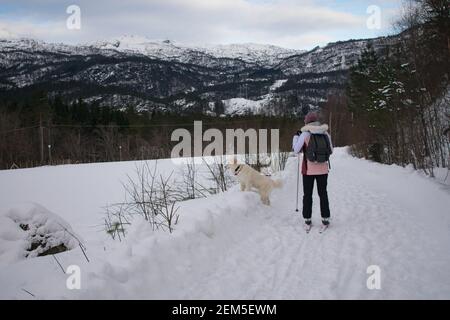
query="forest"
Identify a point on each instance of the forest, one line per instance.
(45, 131)
(396, 108)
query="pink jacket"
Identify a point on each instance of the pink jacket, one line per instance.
(300, 142)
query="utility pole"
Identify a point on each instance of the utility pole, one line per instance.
(120, 153)
(49, 141)
(329, 123)
(41, 131)
(50, 154)
(79, 154)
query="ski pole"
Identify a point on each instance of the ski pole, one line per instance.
(298, 178)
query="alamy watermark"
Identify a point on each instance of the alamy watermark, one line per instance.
(73, 22)
(73, 281)
(374, 280)
(236, 141)
(374, 19)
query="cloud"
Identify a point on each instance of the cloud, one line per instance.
(5, 33)
(284, 22)
(41, 30)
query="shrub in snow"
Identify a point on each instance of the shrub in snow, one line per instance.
(147, 194)
(189, 187)
(219, 175)
(155, 197)
(30, 230)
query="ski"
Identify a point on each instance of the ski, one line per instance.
(323, 228)
(308, 227)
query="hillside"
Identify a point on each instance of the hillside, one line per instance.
(166, 76)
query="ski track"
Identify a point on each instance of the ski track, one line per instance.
(369, 227)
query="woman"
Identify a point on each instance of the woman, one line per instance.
(313, 170)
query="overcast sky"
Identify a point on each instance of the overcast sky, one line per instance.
(297, 24)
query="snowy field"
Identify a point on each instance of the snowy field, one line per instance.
(230, 246)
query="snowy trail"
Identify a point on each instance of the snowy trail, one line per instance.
(379, 219)
(230, 246)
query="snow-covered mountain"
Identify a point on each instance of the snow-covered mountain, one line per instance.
(168, 76)
(334, 56)
(257, 54)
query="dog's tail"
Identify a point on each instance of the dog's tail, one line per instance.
(277, 183)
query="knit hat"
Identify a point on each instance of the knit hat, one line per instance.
(311, 117)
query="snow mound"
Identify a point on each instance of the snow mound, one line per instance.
(30, 230)
(278, 84)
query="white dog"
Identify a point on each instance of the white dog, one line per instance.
(249, 177)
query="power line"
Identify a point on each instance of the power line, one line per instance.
(130, 126)
(19, 129)
(149, 125)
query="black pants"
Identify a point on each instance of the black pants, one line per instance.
(308, 186)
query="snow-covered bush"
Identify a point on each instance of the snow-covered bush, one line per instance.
(30, 230)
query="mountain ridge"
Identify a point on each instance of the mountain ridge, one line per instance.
(188, 81)
(263, 54)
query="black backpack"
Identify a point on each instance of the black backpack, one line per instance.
(318, 149)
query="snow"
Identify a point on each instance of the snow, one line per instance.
(241, 106)
(171, 50)
(250, 52)
(40, 224)
(278, 84)
(230, 246)
(442, 175)
(335, 56)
